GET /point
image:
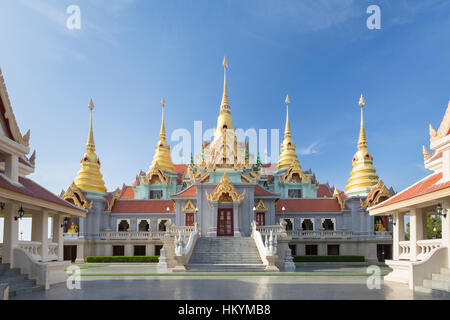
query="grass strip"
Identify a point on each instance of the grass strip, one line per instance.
(301, 274)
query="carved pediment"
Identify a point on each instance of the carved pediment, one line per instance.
(295, 174)
(156, 175)
(225, 192)
(116, 196)
(261, 206)
(76, 197)
(444, 128)
(377, 194)
(189, 206)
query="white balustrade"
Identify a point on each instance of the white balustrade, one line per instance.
(70, 235)
(33, 248)
(383, 234)
(312, 234)
(265, 230)
(426, 247)
(131, 235)
(53, 251)
(405, 250)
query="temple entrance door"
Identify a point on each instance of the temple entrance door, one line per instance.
(189, 219)
(260, 219)
(225, 222)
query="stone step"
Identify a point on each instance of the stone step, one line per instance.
(14, 280)
(10, 273)
(4, 267)
(26, 290)
(445, 271)
(437, 285)
(440, 277)
(225, 267)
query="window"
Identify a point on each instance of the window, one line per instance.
(123, 226)
(139, 250)
(162, 225)
(333, 250)
(311, 249)
(289, 225)
(158, 250)
(294, 193)
(307, 224)
(293, 248)
(328, 225)
(143, 225)
(118, 251)
(156, 194)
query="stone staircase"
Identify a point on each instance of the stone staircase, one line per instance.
(225, 254)
(18, 284)
(439, 285)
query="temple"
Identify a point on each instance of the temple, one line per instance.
(253, 215)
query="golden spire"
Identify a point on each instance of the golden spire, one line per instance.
(89, 177)
(288, 156)
(225, 93)
(162, 157)
(363, 175)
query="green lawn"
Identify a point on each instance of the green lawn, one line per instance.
(301, 274)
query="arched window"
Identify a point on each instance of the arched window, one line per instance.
(328, 224)
(124, 226)
(307, 224)
(143, 225)
(162, 225)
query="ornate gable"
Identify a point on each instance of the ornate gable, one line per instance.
(295, 174)
(189, 206)
(75, 196)
(225, 192)
(261, 206)
(339, 198)
(116, 196)
(156, 175)
(377, 194)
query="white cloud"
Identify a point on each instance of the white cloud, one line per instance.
(311, 149)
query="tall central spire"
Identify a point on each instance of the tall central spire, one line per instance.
(162, 157)
(363, 175)
(225, 102)
(288, 155)
(89, 177)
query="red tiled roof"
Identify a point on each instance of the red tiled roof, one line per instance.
(143, 206)
(426, 185)
(31, 188)
(260, 191)
(189, 192)
(127, 193)
(180, 167)
(324, 191)
(438, 156)
(308, 205)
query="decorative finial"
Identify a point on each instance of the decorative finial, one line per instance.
(361, 101)
(91, 105)
(163, 102)
(225, 62)
(287, 101)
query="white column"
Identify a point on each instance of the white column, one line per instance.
(415, 231)
(398, 234)
(58, 235)
(10, 233)
(236, 230)
(39, 232)
(12, 167)
(446, 226)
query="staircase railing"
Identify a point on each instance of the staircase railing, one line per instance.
(184, 251)
(30, 266)
(267, 249)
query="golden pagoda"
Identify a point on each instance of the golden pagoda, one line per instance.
(363, 176)
(288, 156)
(224, 121)
(162, 157)
(89, 177)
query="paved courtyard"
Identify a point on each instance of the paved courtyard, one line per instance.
(98, 286)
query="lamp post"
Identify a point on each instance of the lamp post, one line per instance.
(441, 211)
(21, 213)
(435, 232)
(391, 220)
(283, 209)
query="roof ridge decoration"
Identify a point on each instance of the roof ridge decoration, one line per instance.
(156, 170)
(9, 115)
(76, 197)
(444, 127)
(426, 154)
(189, 206)
(337, 195)
(295, 169)
(116, 196)
(261, 206)
(377, 194)
(89, 177)
(224, 188)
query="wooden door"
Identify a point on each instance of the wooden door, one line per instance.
(189, 219)
(260, 219)
(225, 222)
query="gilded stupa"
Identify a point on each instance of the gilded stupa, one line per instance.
(162, 159)
(288, 156)
(89, 177)
(363, 176)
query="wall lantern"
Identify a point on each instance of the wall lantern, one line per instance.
(65, 222)
(441, 211)
(20, 212)
(391, 220)
(167, 209)
(254, 209)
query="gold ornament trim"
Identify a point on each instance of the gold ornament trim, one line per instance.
(294, 169)
(189, 206)
(156, 170)
(337, 195)
(74, 195)
(443, 128)
(377, 194)
(261, 206)
(225, 188)
(113, 200)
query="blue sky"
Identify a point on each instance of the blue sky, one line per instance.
(129, 53)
